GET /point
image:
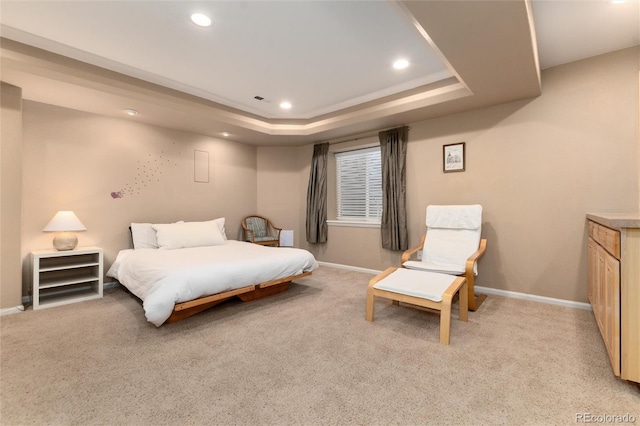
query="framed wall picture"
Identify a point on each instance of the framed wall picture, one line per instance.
(453, 157)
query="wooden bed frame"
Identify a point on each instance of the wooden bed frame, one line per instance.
(246, 294)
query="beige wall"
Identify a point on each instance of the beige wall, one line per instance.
(279, 187)
(10, 191)
(536, 166)
(75, 161)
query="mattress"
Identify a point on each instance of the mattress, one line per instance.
(163, 278)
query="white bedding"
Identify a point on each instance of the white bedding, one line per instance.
(162, 278)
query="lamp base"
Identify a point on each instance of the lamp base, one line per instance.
(65, 241)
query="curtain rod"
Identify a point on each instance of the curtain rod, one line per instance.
(363, 135)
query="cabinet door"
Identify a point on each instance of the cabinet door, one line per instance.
(611, 318)
(600, 291)
(592, 262)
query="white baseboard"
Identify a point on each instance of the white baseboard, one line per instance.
(14, 310)
(349, 268)
(485, 290)
(533, 297)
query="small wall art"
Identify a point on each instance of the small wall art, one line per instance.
(453, 157)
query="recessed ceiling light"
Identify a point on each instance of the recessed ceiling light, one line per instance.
(201, 20)
(131, 111)
(285, 105)
(401, 64)
(225, 134)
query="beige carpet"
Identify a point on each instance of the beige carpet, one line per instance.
(308, 357)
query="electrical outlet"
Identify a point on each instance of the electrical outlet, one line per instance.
(419, 255)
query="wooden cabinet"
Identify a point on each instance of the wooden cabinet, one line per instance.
(604, 295)
(614, 292)
(61, 277)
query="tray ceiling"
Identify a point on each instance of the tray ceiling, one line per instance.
(331, 60)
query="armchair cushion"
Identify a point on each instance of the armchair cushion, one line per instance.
(450, 248)
(453, 235)
(403, 281)
(442, 269)
(258, 226)
(454, 217)
(266, 238)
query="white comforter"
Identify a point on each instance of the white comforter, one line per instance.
(162, 278)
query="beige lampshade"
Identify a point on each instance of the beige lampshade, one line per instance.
(64, 222)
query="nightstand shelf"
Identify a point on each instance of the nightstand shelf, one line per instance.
(60, 282)
(68, 266)
(62, 277)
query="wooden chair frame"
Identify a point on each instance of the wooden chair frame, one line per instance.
(474, 300)
(270, 227)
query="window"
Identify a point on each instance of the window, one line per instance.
(359, 185)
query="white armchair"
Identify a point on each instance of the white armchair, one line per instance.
(451, 245)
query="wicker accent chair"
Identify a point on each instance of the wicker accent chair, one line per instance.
(260, 230)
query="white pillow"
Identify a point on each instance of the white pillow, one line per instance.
(220, 223)
(144, 236)
(188, 234)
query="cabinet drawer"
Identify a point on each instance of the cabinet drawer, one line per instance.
(606, 237)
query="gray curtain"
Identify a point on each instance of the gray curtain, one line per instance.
(317, 195)
(393, 154)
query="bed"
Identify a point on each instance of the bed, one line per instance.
(187, 267)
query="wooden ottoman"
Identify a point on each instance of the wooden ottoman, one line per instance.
(421, 288)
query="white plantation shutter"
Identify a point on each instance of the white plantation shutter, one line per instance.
(359, 185)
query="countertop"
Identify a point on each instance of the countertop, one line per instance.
(616, 220)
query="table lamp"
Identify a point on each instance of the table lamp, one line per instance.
(65, 222)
